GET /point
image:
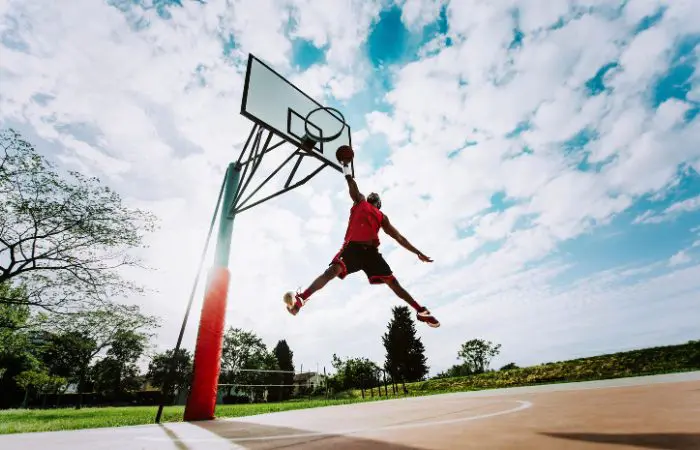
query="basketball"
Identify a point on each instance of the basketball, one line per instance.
(344, 154)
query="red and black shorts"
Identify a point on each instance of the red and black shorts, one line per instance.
(354, 256)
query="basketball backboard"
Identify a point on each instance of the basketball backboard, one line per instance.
(273, 102)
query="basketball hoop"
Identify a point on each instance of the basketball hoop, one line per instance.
(277, 108)
(337, 115)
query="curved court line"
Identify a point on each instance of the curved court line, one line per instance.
(523, 405)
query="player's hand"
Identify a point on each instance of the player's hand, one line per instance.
(424, 258)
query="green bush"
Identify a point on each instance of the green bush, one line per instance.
(674, 358)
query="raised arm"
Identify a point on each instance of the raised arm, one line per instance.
(398, 237)
(355, 193)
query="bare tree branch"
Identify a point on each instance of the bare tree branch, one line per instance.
(65, 237)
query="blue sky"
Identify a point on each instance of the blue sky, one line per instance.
(546, 157)
(619, 243)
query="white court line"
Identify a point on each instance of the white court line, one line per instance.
(523, 405)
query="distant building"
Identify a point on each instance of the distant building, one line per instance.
(307, 380)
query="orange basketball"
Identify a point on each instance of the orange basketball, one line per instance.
(344, 154)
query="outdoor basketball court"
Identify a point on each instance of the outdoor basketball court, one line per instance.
(659, 412)
(653, 412)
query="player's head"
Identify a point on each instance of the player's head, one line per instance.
(374, 199)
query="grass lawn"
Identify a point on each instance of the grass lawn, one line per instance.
(33, 420)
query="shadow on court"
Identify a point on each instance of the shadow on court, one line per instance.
(259, 437)
(174, 437)
(661, 441)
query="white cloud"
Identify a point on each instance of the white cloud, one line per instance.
(679, 259)
(257, 26)
(690, 204)
(381, 123)
(323, 82)
(415, 14)
(341, 26)
(671, 212)
(694, 94)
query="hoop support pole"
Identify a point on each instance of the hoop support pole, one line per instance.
(201, 403)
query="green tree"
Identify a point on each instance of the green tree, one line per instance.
(285, 361)
(458, 370)
(509, 366)
(160, 366)
(354, 373)
(40, 380)
(63, 353)
(14, 316)
(105, 378)
(245, 360)
(241, 350)
(65, 238)
(405, 353)
(17, 350)
(476, 354)
(14, 323)
(117, 373)
(100, 329)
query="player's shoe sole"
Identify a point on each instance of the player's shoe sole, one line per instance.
(293, 302)
(423, 315)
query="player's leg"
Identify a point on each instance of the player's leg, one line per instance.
(344, 263)
(333, 270)
(401, 293)
(422, 313)
(296, 301)
(378, 272)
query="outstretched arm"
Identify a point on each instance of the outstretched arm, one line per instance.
(394, 233)
(355, 193)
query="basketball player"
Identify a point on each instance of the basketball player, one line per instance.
(360, 251)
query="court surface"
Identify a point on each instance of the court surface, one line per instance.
(657, 412)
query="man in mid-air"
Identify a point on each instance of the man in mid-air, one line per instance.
(360, 251)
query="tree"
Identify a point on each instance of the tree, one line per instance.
(14, 319)
(241, 350)
(63, 353)
(458, 370)
(40, 380)
(160, 366)
(105, 378)
(245, 350)
(285, 361)
(476, 354)
(64, 238)
(117, 373)
(17, 350)
(14, 316)
(96, 330)
(509, 366)
(354, 373)
(405, 353)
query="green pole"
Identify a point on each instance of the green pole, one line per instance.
(223, 241)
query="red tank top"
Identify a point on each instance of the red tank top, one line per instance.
(364, 223)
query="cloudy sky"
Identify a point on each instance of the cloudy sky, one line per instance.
(544, 152)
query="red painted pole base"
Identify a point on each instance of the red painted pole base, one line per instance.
(201, 402)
